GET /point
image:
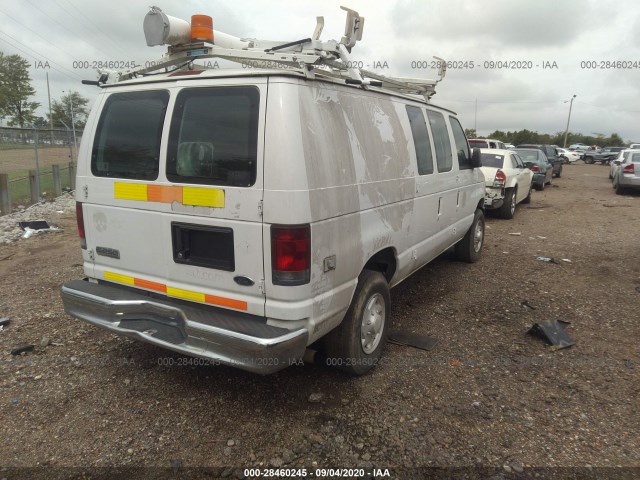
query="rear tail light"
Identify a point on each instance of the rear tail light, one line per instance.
(629, 169)
(534, 168)
(291, 254)
(80, 220)
(500, 179)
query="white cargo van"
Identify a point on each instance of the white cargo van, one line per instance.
(241, 215)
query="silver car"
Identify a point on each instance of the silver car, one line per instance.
(625, 171)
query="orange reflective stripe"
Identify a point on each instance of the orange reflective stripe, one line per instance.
(225, 302)
(164, 194)
(149, 285)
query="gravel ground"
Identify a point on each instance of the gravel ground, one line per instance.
(489, 399)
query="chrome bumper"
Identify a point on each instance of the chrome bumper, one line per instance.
(223, 336)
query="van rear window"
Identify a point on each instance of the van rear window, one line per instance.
(214, 136)
(127, 142)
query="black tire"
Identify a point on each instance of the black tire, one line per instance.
(564, 159)
(527, 199)
(508, 208)
(588, 160)
(619, 189)
(540, 187)
(470, 247)
(344, 345)
(559, 174)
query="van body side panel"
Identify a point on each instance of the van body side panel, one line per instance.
(338, 158)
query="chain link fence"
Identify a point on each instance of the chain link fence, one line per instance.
(35, 165)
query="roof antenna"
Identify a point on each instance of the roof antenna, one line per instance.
(352, 29)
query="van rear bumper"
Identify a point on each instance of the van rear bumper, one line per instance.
(222, 336)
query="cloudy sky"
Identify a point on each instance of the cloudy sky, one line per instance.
(402, 36)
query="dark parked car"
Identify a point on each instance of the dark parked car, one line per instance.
(538, 163)
(552, 155)
(603, 156)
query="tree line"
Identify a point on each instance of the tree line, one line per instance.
(527, 136)
(18, 109)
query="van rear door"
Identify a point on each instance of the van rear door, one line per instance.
(173, 195)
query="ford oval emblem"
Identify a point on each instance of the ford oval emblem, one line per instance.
(244, 281)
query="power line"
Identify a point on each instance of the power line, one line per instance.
(37, 34)
(95, 26)
(36, 53)
(73, 35)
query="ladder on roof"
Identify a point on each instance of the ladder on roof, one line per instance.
(309, 56)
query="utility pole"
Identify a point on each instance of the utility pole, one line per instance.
(50, 114)
(73, 124)
(475, 118)
(566, 132)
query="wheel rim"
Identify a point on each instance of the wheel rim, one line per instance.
(373, 319)
(478, 236)
(513, 203)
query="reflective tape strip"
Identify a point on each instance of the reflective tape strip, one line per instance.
(116, 277)
(225, 302)
(203, 197)
(185, 294)
(164, 194)
(195, 196)
(130, 191)
(176, 292)
(149, 285)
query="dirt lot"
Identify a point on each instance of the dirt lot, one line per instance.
(488, 396)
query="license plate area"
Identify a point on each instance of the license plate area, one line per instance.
(203, 246)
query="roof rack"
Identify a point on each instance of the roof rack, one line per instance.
(309, 56)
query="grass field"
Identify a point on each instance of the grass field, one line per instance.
(19, 184)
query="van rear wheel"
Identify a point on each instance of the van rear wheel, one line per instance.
(468, 249)
(355, 346)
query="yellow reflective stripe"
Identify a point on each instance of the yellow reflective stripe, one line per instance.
(203, 197)
(185, 294)
(130, 191)
(116, 277)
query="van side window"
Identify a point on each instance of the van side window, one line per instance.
(214, 136)
(462, 146)
(127, 143)
(441, 141)
(421, 140)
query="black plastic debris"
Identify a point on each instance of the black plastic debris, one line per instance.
(22, 349)
(34, 225)
(525, 303)
(553, 332)
(4, 322)
(410, 339)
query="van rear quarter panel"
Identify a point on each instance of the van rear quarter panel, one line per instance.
(339, 159)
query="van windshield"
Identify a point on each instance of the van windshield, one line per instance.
(127, 142)
(213, 137)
